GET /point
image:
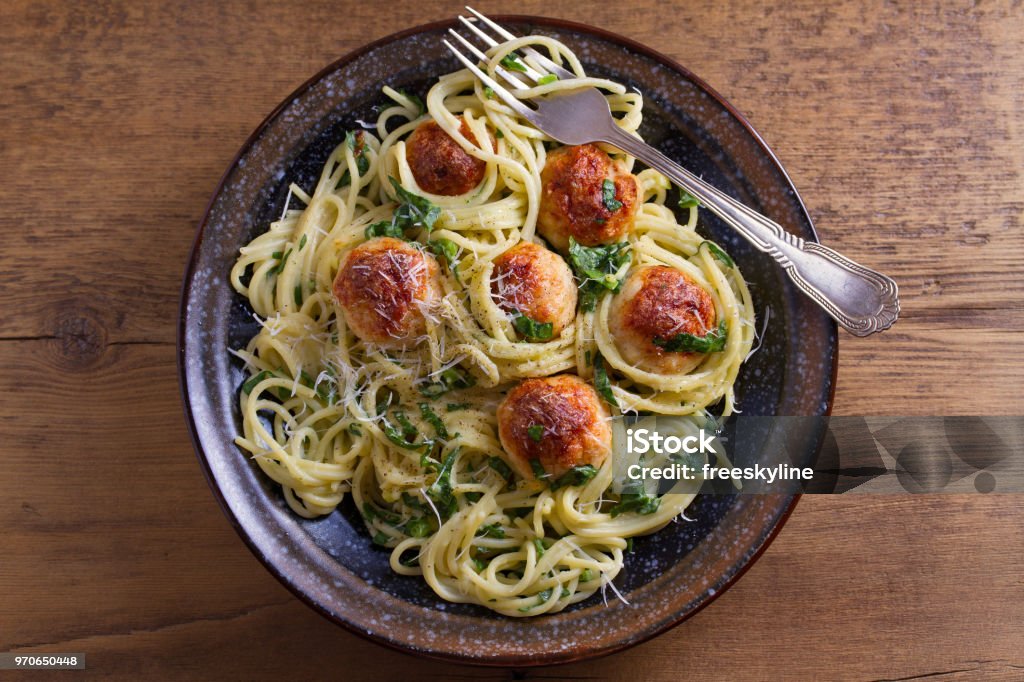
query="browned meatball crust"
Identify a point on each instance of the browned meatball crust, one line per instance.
(559, 422)
(659, 302)
(384, 287)
(573, 201)
(439, 164)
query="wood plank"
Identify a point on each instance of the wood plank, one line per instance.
(901, 127)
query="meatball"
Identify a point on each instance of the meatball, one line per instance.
(558, 422)
(385, 287)
(439, 164)
(659, 302)
(537, 283)
(576, 202)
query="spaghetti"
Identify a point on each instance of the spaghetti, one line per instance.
(410, 432)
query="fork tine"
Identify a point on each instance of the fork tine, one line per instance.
(509, 99)
(518, 84)
(530, 73)
(548, 64)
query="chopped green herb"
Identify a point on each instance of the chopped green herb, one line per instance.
(713, 342)
(542, 598)
(371, 513)
(499, 134)
(277, 270)
(455, 407)
(384, 229)
(586, 575)
(629, 544)
(578, 475)
(399, 439)
(587, 359)
(440, 491)
(414, 209)
(532, 329)
(636, 501)
(488, 92)
(302, 243)
(499, 465)
(491, 530)
(251, 382)
(536, 433)
(409, 431)
(417, 527)
(298, 294)
(411, 501)
(602, 383)
(431, 418)
(539, 546)
(480, 565)
(354, 429)
(381, 539)
(448, 250)
(356, 142)
(448, 380)
(608, 194)
(549, 78)
(384, 400)
(718, 253)
(417, 101)
(595, 268)
(538, 469)
(687, 200)
(512, 63)
(474, 497)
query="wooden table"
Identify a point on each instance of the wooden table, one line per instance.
(902, 127)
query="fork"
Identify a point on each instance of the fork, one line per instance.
(861, 300)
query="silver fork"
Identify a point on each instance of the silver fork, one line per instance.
(859, 299)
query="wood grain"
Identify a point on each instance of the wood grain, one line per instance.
(902, 127)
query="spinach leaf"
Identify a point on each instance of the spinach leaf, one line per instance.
(532, 329)
(713, 342)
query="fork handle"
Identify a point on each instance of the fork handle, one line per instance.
(861, 300)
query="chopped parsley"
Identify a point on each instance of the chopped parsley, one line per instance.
(448, 250)
(499, 465)
(578, 475)
(687, 200)
(608, 195)
(417, 527)
(718, 253)
(512, 63)
(448, 380)
(413, 211)
(595, 268)
(536, 433)
(491, 530)
(355, 142)
(602, 383)
(713, 342)
(538, 469)
(636, 500)
(544, 80)
(532, 329)
(431, 418)
(440, 491)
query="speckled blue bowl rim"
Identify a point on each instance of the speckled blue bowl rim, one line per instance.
(450, 654)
